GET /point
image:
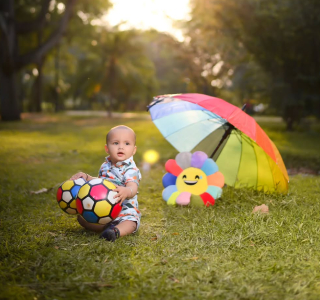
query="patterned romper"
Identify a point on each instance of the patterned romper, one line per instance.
(120, 174)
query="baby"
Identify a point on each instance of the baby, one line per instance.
(120, 169)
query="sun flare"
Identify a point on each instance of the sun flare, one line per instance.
(145, 14)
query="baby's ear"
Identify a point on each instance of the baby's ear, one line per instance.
(106, 148)
(134, 150)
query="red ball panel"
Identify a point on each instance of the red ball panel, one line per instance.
(99, 192)
(116, 210)
(59, 194)
(79, 206)
(207, 199)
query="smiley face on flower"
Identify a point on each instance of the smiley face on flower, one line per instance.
(192, 179)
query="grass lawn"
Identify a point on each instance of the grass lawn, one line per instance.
(220, 252)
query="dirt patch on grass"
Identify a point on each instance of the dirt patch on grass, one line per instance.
(39, 117)
(303, 171)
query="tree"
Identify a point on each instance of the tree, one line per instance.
(11, 60)
(177, 71)
(280, 36)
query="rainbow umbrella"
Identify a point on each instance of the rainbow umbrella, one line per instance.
(243, 152)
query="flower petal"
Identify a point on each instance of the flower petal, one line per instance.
(183, 159)
(196, 201)
(207, 199)
(168, 179)
(168, 191)
(198, 158)
(216, 179)
(172, 199)
(183, 198)
(172, 167)
(209, 167)
(214, 191)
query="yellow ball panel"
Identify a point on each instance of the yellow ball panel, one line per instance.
(73, 204)
(63, 205)
(102, 208)
(67, 185)
(84, 190)
(109, 184)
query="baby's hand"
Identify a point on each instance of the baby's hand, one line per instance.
(79, 175)
(122, 193)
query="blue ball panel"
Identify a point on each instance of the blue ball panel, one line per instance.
(75, 191)
(168, 179)
(90, 217)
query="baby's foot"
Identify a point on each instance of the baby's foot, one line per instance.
(110, 234)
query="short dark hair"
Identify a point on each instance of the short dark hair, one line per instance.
(120, 127)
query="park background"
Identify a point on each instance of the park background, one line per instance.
(70, 70)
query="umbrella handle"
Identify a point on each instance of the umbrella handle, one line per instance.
(226, 134)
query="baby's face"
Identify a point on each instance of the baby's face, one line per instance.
(121, 145)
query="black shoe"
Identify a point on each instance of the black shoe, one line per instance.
(110, 234)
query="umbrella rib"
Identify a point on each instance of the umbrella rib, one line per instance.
(226, 134)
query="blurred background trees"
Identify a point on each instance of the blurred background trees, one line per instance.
(57, 55)
(268, 49)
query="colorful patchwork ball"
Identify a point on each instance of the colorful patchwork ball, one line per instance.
(67, 194)
(96, 203)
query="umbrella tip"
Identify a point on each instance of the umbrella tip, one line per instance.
(244, 107)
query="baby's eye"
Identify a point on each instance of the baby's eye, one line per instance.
(184, 176)
(197, 177)
(127, 144)
(115, 143)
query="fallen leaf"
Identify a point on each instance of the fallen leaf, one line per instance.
(175, 233)
(43, 190)
(52, 233)
(192, 258)
(174, 279)
(263, 209)
(56, 247)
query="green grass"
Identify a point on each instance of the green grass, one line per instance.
(221, 252)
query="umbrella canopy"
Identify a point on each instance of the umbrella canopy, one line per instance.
(243, 152)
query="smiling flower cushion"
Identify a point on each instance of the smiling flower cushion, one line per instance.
(192, 179)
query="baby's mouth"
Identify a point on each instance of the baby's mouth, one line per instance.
(189, 182)
(120, 153)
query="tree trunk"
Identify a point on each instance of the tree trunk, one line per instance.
(39, 79)
(35, 102)
(10, 60)
(10, 107)
(57, 107)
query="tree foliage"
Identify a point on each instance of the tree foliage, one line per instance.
(279, 36)
(29, 31)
